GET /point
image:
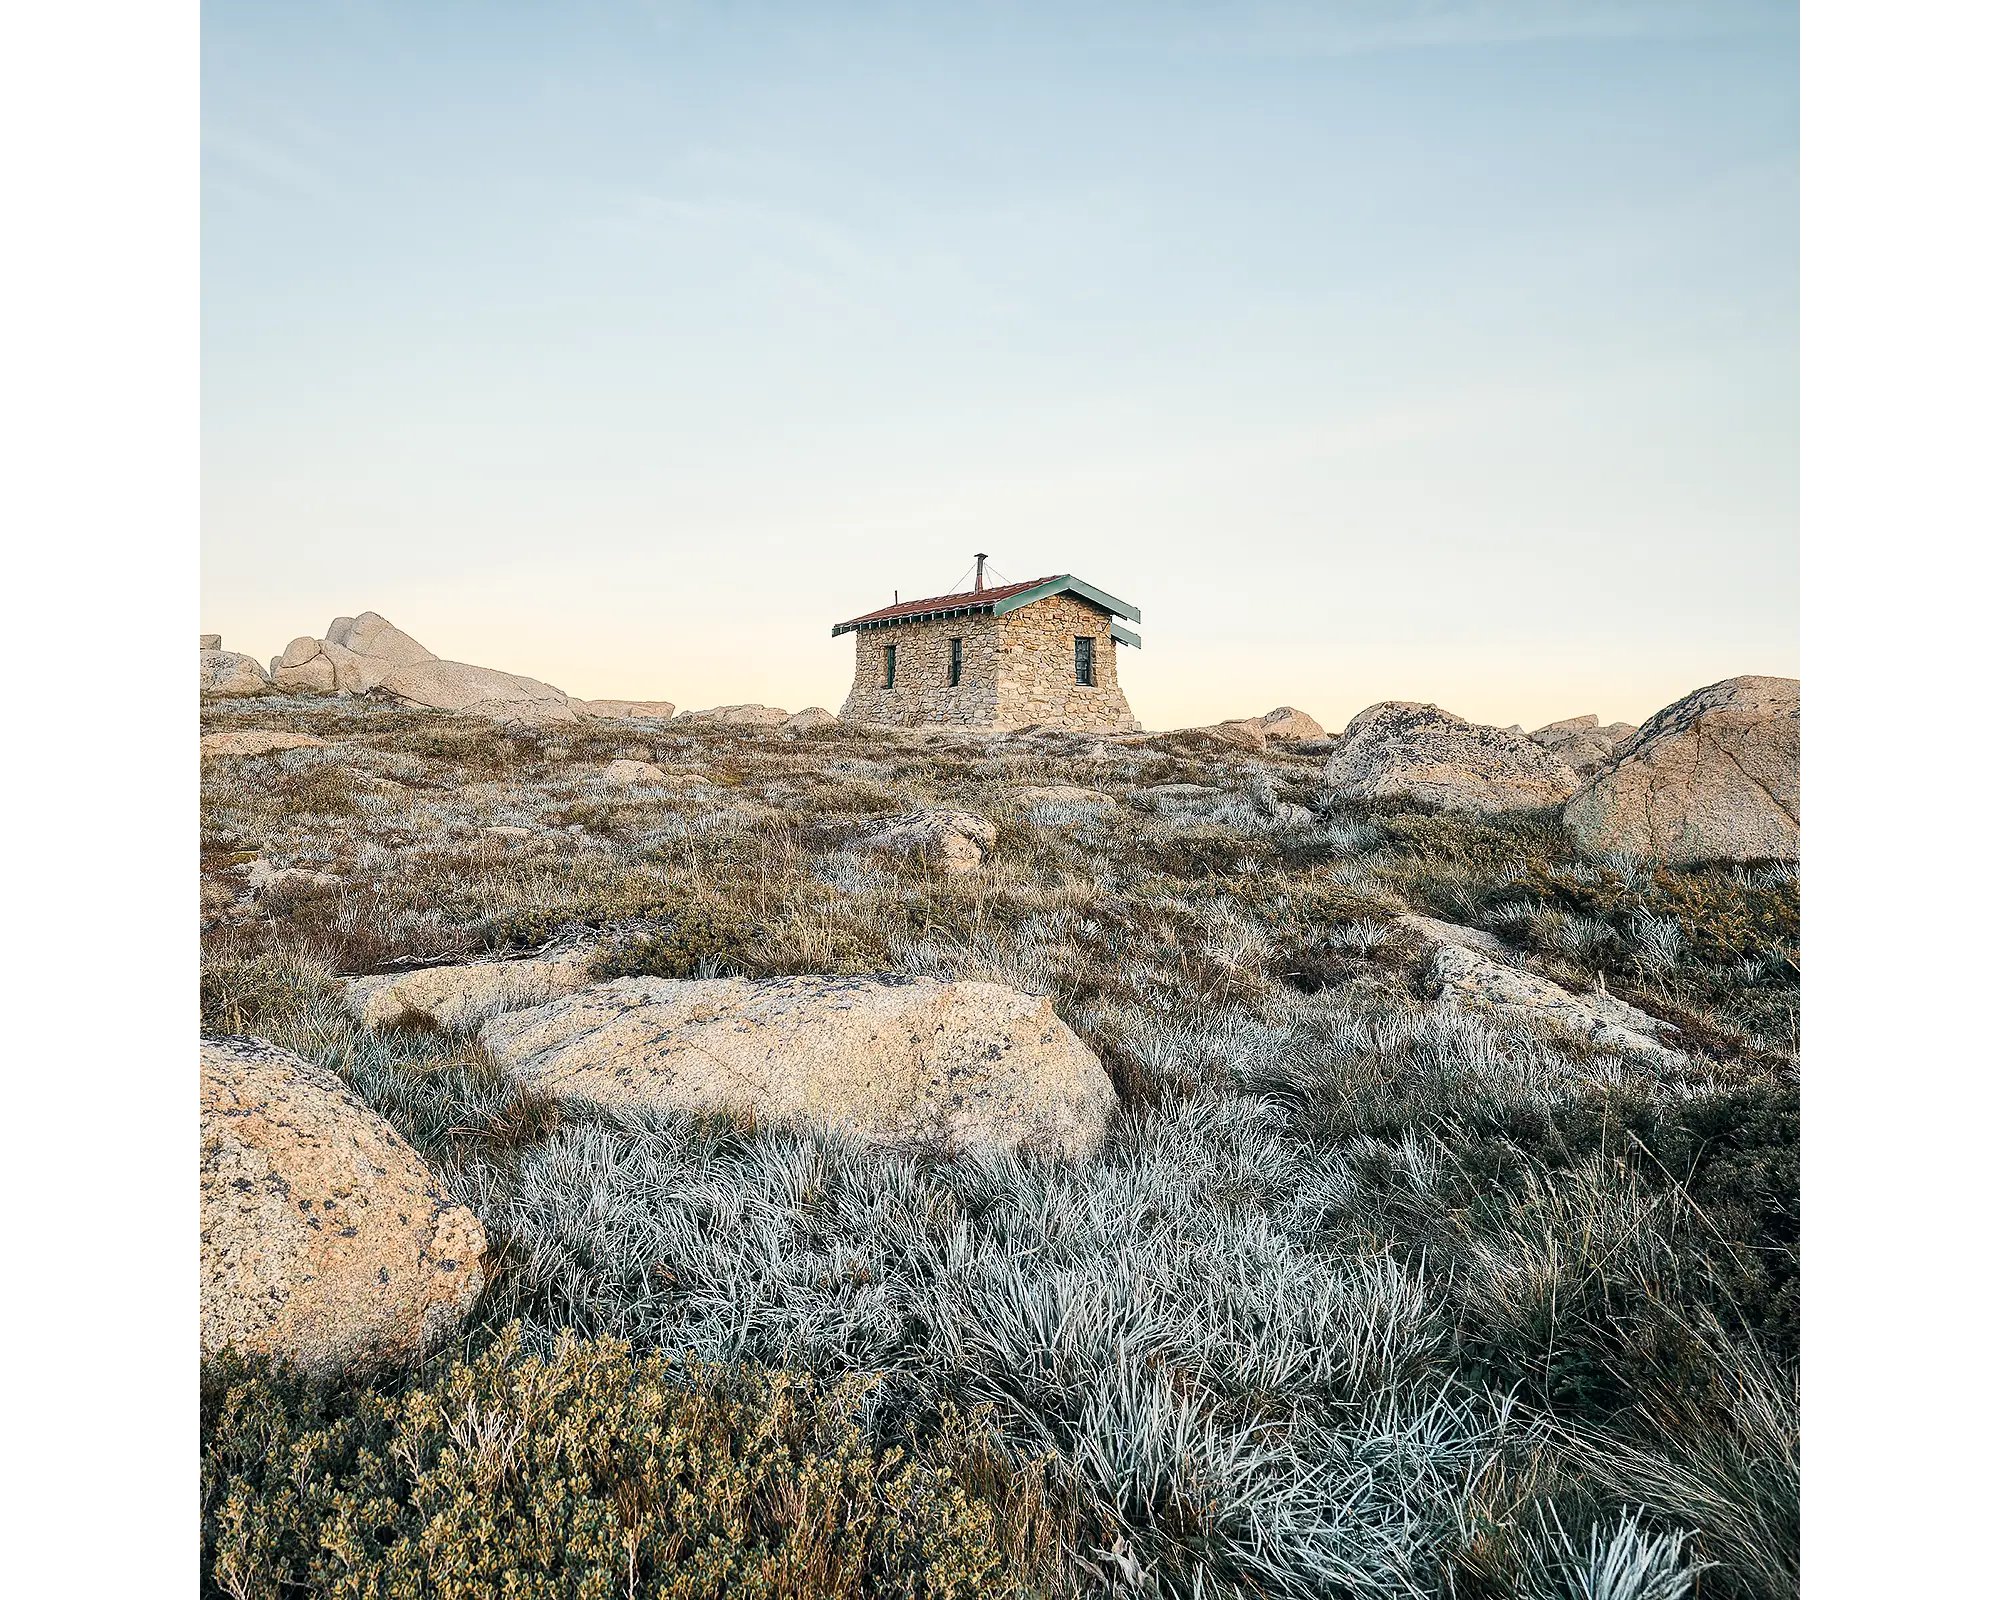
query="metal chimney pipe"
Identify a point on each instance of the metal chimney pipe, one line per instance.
(979, 572)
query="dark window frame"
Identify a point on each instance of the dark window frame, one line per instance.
(888, 666)
(957, 661)
(1086, 661)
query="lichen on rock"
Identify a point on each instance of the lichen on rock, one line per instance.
(890, 1059)
(325, 1238)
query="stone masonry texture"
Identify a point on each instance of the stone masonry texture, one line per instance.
(1019, 671)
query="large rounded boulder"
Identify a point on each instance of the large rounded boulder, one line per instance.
(477, 691)
(1402, 748)
(1285, 725)
(1714, 777)
(951, 841)
(226, 675)
(892, 1059)
(325, 1238)
(373, 635)
(304, 668)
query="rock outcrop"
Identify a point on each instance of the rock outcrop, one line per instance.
(255, 742)
(458, 999)
(303, 669)
(319, 666)
(739, 716)
(226, 675)
(1581, 745)
(625, 774)
(807, 720)
(1474, 971)
(211, 641)
(645, 775)
(1066, 794)
(1289, 725)
(625, 710)
(354, 657)
(1286, 725)
(1246, 731)
(1713, 777)
(362, 654)
(891, 1059)
(950, 841)
(324, 1237)
(378, 639)
(267, 878)
(1400, 748)
(477, 691)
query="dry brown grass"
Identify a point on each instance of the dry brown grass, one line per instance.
(1227, 963)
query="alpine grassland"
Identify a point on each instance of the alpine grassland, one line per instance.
(1366, 1294)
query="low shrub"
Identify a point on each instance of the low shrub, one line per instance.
(1722, 914)
(705, 940)
(1712, 949)
(593, 816)
(1364, 1295)
(476, 746)
(584, 1472)
(1207, 850)
(530, 927)
(322, 790)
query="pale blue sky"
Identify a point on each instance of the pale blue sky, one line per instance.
(1426, 351)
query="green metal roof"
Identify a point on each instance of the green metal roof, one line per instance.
(1066, 584)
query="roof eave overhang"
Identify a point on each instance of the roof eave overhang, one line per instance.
(941, 612)
(1067, 584)
(1124, 636)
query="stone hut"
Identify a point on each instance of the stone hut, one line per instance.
(1042, 653)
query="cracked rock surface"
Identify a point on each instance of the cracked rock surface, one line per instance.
(324, 1237)
(1476, 971)
(1713, 777)
(890, 1059)
(1427, 753)
(227, 675)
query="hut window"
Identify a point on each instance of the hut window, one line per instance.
(1086, 662)
(888, 666)
(957, 661)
